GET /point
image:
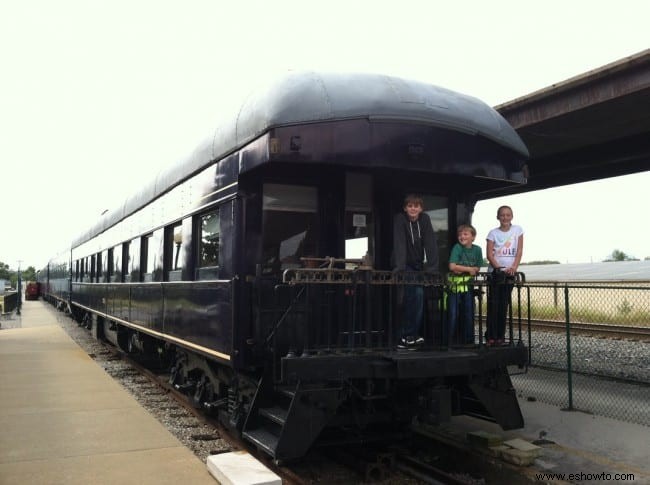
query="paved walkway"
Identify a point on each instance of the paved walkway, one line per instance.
(63, 420)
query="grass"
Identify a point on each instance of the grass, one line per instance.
(631, 316)
(621, 305)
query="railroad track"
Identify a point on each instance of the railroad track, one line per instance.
(204, 435)
(374, 467)
(608, 331)
(384, 465)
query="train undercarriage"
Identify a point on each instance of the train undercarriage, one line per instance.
(351, 397)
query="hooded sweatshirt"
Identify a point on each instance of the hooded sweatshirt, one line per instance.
(412, 241)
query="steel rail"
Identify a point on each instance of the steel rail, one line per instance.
(639, 333)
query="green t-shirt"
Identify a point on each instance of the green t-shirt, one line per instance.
(465, 257)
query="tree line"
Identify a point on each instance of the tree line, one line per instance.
(618, 255)
(6, 273)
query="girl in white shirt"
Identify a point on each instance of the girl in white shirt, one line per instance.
(505, 246)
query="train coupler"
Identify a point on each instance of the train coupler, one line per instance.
(219, 403)
(185, 387)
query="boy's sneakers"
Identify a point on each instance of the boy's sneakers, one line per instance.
(409, 342)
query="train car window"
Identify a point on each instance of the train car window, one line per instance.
(92, 268)
(155, 255)
(289, 226)
(185, 261)
(133, 272)
(209, 230)
(144, 260)
(358, 216)
(174, 253)
(109, 271)
(115, 258)
(152, 262)
(76, 270)
(100, 264)
(124, 262)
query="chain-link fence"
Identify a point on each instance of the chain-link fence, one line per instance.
(601, 370)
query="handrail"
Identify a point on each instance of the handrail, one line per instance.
(330, 275)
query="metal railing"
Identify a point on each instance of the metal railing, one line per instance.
(332, 308)
(570, 367)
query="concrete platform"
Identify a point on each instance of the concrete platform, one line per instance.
(571, 443)
(63, 420)
(240, 468)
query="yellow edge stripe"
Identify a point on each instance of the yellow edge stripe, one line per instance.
(164, 336)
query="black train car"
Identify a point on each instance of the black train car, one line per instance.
(211, 266)
(54, 280)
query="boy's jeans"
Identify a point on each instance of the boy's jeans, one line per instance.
(413, 310)
(460, 307)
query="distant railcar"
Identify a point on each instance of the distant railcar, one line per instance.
(32, 290)
(259, 267)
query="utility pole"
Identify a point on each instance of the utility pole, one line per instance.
(20, 291)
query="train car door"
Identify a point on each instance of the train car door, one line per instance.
(359, 224)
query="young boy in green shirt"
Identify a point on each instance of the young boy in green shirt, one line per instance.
(465, 262)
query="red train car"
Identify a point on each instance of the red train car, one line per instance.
(32, 290)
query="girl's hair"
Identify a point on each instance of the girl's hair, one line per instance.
(503, 207)
(466, 227)
(413, 199)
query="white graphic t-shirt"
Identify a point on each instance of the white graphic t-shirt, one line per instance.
(505, 244)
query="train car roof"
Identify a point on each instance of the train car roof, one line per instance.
(312, 97)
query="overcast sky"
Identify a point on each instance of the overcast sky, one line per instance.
(97, 96)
